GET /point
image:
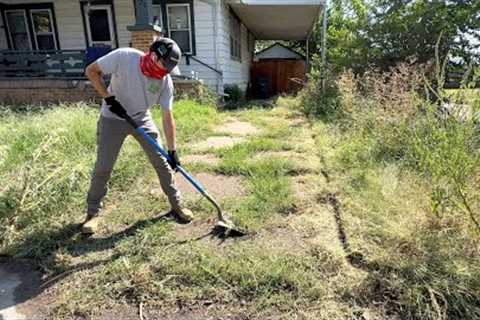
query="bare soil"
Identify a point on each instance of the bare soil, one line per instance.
(219, 186)
(238, 128)
(219, 142)
(201, 158)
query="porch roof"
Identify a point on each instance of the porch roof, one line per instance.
(278, 19)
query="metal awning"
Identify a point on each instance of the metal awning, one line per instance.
(278, 19)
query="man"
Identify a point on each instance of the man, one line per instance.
(139, 80)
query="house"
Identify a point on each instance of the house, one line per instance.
(277, 69)
(51, 39)
(278, 51)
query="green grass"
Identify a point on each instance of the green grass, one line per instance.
(49, 156)
(416, 247)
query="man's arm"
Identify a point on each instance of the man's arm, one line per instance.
(95, 75)
(169, 129)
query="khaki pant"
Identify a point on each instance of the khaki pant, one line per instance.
(110, 136)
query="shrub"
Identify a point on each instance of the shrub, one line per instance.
(234, 93)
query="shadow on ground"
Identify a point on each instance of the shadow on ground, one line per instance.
(69, 239)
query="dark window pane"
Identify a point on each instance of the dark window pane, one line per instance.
(16, 22)
(18, 30)
(178, 17)
(182, 38)
(41, 21)
(20, 42)
(157, 16)
(45, 42)
(99, 26)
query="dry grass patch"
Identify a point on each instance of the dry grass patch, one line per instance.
(238, 128)
(213, 143)
(218, 185)
(207, 159)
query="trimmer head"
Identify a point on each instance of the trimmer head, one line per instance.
(225, 228)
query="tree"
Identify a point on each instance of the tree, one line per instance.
(382, 33)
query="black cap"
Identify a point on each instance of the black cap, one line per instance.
(167, 50)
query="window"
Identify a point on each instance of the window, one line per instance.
(30, 26)
(18, 30)
(179, 25)
(235, 38)
(43, 29)
(157, 17)
(99, 25)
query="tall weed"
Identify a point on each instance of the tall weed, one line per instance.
(426, 269)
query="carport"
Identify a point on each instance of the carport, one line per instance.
(279, 20)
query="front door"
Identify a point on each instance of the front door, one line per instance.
(99, 23)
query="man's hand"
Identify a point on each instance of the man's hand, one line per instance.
(116, 107)
(174, 161)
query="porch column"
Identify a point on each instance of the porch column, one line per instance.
(143, 31)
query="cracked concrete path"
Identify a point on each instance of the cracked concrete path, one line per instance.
(9, 281)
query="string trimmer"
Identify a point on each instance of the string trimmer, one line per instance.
(224, 226)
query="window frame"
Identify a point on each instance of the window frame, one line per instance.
(173, 5)
(9, 33)
(165, 20)
(160, 8)
(35, 34)
(236, 40)
(26, 8)
(111, 25)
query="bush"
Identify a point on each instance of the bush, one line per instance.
(321, 102)
(234, 93)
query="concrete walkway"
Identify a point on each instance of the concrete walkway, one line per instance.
(8, 283)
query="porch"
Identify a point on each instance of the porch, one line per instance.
(53, 76)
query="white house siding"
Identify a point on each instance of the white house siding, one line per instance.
(235, 72)
(205, 48)
(125, 16)
(70, 24)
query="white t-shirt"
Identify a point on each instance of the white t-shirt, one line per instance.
(136, 92)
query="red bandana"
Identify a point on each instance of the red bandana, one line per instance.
(150, 68)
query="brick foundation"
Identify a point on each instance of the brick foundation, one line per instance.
(45, 92)
(141, 40)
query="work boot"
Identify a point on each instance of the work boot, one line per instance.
(184, 214)
(91, 224)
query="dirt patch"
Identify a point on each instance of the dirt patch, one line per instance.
(283, 239)
(201, 158)
(217, 143)
(238, 128)
(182, 311)
(218, 186)
(306, 189)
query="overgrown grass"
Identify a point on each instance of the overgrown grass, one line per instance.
(45, 175)
(407, 176)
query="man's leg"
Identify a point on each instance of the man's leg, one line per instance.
(163, 169)
(110, 136)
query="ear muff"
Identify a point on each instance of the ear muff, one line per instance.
(161, 49)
